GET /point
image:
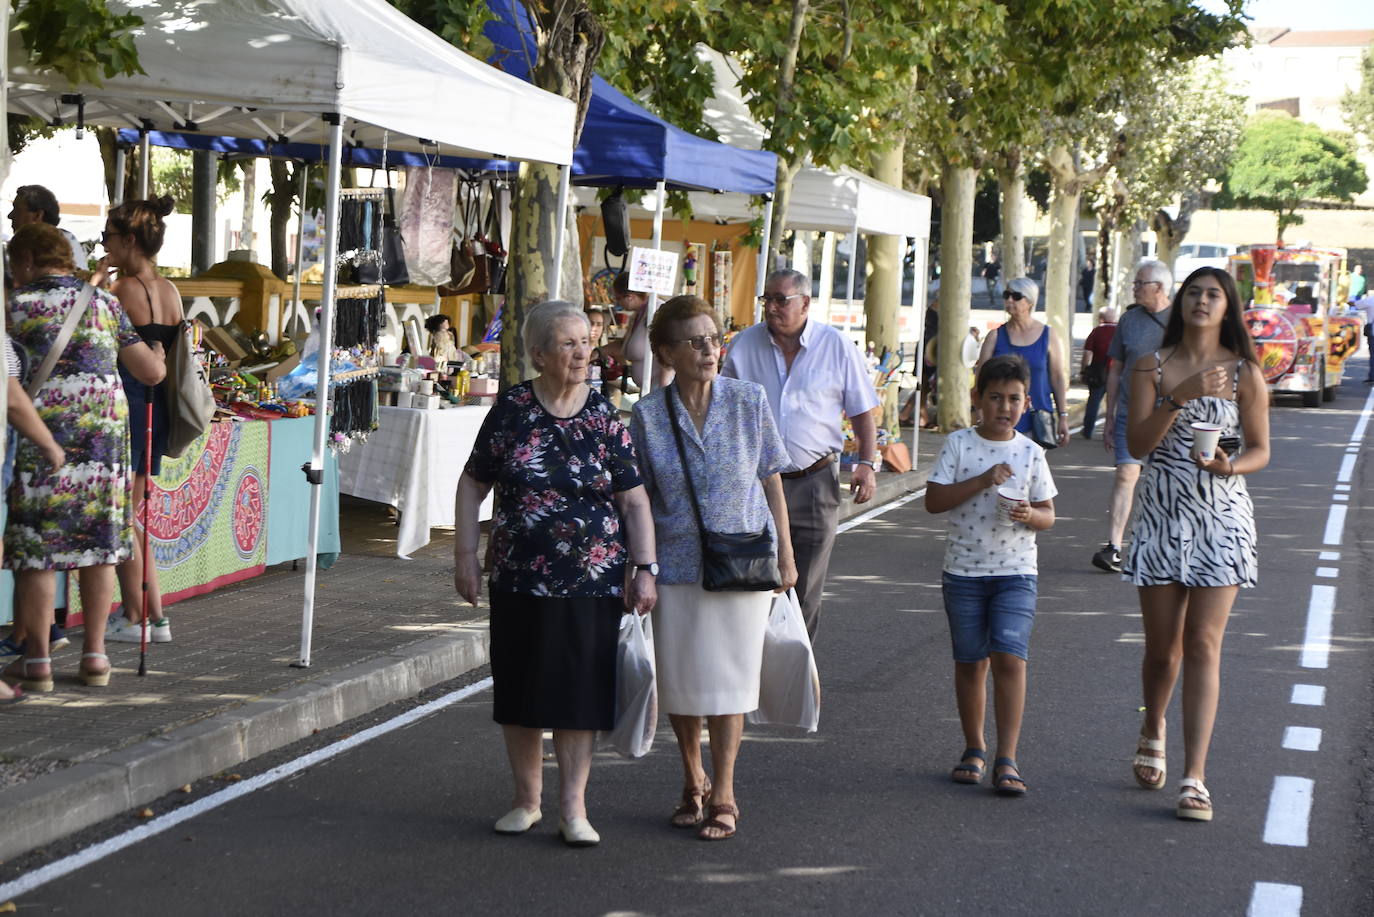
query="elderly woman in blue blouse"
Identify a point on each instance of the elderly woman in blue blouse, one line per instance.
(708, 646)
(562, 573)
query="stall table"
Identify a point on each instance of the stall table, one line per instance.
(412, 461)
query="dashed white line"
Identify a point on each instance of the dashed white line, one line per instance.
(878, 511)
(1290, 807)
(1328, 572)
(1342, 488)
(1335, 523)
(1302, 738)
(1270, 899)
(1329, 555)
(68, 864)
(1316, 647)
(1309, 695)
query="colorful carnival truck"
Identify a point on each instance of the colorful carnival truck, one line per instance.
(1302, 333)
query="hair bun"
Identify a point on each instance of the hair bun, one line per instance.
(164, 205)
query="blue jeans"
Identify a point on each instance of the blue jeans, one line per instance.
(989, 614)
(1090, 409)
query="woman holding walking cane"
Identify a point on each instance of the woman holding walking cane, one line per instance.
(132, 238)
(1193, 539)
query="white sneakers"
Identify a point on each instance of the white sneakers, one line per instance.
(121, 630)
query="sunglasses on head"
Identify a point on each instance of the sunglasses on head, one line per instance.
(1013, 295)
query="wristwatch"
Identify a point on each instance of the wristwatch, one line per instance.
(871, 463)
(651, 566)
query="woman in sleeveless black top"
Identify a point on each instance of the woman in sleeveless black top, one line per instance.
(132, 238)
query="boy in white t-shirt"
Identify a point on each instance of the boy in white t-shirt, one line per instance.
(990, 568)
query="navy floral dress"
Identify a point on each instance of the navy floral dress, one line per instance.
(555, 528)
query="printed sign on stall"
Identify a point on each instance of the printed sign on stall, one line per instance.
(653, 271)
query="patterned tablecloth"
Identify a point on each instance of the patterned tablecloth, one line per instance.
(412, 461)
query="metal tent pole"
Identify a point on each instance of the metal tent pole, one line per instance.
(560, 231)
(849, 283)
(145, 166)
(917, 298)
(121, 158)
(296, 305)
(762, 270)
(314, 472)
(661, 193)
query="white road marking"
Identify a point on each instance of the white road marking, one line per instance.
(1329, 555)
(1309, 695)
(1347, 469)
(1341, 498)
(82, 858)
(1363, 422)
(1316, 647)
(1342, 488)
(1335, 524)
(1302, 738)
(1290, 807)
(875, 513)
(1328, 572)
(1270, 899)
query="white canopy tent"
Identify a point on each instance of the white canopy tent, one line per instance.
(310, 71)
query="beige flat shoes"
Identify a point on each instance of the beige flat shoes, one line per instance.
(518, 821)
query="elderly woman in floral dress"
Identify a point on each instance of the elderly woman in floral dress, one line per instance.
(563, 567)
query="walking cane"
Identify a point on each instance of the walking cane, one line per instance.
(147, 495)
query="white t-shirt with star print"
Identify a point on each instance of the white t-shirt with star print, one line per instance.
(977, 545)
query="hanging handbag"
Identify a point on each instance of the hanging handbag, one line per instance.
(190, 403)
(59, 343)
(468, 265)
(391, 269)
(496, 252)
(730, 561)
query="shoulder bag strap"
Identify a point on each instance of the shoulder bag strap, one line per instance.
(671, 401)
(63, 338)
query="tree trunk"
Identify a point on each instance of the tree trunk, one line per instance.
(788, 166)
(883, 287)
(957, 185)
(533, 223)
(1125, 255)
(1011, 181)
(282, 197)
(1058, 293)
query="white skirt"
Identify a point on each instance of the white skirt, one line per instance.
(708, 649)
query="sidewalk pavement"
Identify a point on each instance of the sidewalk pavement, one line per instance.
(225, 691)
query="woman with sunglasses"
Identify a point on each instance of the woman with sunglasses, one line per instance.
(708, 646)
(1037, 344)
(132, 238)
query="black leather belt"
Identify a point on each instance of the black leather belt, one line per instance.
(810, 469)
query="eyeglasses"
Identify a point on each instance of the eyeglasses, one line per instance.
(106, 236)
(1144, 283)
(701, 342)
(1013, 295)
(776, 298)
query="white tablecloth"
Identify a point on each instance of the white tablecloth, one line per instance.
(412, 461)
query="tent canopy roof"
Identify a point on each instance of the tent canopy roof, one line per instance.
(625, 144)
(269, 69)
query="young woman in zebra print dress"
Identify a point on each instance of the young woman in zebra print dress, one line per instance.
(1193, 536)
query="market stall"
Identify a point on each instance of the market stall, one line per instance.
(315, 73)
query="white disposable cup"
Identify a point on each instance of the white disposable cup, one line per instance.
(404, 399)
(1007, 498)
(426, 387)
(1205, 436)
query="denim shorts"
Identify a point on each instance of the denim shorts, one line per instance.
(989, 614)
(1123, 455)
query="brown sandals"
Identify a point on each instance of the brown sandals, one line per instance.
(713, 822)
(691, 812)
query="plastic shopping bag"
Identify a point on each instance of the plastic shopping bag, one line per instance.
(789, 685)
(636, 702)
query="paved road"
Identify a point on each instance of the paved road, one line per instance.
(861, 818)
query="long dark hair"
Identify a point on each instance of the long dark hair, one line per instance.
(1235, 337)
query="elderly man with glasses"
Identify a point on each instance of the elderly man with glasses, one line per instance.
(812, 374)
(1138, 332)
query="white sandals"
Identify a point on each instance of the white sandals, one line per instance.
(1190, 789)
(1149, 753)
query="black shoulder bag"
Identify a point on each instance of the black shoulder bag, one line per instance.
(730, 561)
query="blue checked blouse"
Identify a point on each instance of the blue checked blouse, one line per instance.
(739, 446)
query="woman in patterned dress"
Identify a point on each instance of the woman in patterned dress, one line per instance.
(76, 517)
(708, 646)
(1193, 537)
(562, 572)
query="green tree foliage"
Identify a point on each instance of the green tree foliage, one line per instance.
(1283, 164)
(80, 39)
(1358, 104)
(172, 175)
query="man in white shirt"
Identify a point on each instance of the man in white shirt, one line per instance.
(36, 204)
(812, 373)
(1366, 305)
